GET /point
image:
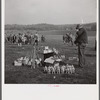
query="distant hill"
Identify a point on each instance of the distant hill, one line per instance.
(46, 27)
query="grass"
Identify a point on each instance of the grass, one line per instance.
(51, 32)
(26, 75)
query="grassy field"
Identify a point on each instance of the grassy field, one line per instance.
(51, 32)
(26, 75)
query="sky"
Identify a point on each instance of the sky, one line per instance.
(50, 11)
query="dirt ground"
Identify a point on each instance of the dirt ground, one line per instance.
(26, 75)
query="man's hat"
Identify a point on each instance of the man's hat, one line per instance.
(79, 26)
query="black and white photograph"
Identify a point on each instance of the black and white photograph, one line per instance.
(50, 42)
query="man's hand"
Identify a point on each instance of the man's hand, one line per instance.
(76, 44)
(77, 30)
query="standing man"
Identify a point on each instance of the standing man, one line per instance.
(42, 38)
(81, 41)
(63, 38)
(35, 49)
(36, 39)
(20, 40)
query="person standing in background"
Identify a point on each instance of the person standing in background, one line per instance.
(81, 41)
(64, 39)
(36, 39)
(19, 40)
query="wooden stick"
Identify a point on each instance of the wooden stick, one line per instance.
(33, 56)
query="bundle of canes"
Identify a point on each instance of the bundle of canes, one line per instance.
(34, 55)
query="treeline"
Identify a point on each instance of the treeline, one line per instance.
(47, 27)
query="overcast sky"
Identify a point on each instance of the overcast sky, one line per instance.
(49, 11)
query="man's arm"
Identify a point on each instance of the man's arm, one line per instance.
(76, 36)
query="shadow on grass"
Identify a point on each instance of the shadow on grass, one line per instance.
(90, 55)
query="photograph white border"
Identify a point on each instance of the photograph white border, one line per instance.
(47, 91)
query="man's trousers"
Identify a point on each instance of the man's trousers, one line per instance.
(81, 55)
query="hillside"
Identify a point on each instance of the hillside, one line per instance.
(46, 27)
